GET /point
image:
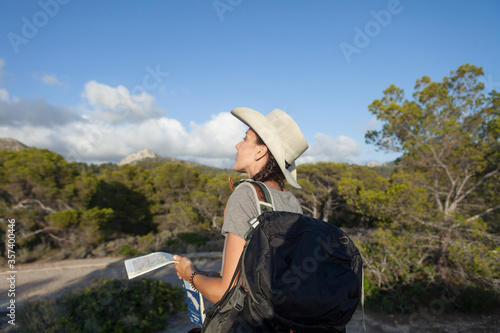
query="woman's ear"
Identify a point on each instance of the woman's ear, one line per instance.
(260, 152)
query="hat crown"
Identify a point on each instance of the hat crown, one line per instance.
(293, 141)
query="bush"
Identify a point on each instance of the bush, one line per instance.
(186, 241)
(41, 316)
(472, 299)
(127, 251)
(410, 298)
(64, 218)
(26, 255)
(191, 238)
(97, 223)
(108, 306)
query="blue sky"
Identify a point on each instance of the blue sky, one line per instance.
(96, 81)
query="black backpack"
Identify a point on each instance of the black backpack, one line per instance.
(295, 273)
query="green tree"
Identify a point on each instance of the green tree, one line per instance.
(63, 219)
(131, 208)
(173, 183)
(218, 189)
(78, 193)
(36, 174)
(320, 196)
(134, 177)
(396, 200)
(448, 134)
(181, 217)
(319, 183)
(206, 206)
(97, 223)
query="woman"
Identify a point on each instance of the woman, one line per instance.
(267, 154)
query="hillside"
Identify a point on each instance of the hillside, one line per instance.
(11, 144)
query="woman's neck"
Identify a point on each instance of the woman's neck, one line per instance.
(273, 184)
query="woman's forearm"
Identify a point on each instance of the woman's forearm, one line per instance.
(212, 288)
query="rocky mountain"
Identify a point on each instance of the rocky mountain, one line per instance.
(139, 156)
(372, 164)
(384, 169)
(11, 144)
(146, 156)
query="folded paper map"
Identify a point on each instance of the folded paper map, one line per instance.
(144, 264)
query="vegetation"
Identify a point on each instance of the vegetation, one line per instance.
(65, 210)
(429, 222)
(107, 306)
(446, 183)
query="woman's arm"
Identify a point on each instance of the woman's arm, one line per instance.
(213, 288)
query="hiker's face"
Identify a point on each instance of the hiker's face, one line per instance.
(247, 154)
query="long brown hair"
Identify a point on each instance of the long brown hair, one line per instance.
(271, 171)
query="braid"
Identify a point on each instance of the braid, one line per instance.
(271, 170)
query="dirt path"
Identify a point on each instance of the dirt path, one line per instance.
(53, 279)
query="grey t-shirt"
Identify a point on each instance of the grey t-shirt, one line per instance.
(242, 207)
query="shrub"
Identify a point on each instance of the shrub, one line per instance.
(127, 250)
(41, 316)
(107, 306)
(186, 241)
(97, 223)
(64, 218)
(191, 238)
(410, 298)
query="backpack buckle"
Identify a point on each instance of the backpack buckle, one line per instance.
(239, 300)
(253, 224)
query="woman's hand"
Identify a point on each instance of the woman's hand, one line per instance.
(184, 267)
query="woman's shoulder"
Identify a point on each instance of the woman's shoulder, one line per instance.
(243, 193)
(242, 189)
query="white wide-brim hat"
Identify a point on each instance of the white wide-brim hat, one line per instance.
(282, 136)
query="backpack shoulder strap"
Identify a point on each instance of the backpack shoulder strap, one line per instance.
(264, 200)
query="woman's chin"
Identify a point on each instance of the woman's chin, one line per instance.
(237, 169)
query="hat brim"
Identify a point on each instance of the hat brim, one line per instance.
(261, 125)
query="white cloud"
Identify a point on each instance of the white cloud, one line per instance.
(326, 148)
(93, 140)
(4, 95)
(20, 112)
(117, 123)
(216, 137)
(96, 141)
(210, 141)
(51, 80)
(118, 105)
